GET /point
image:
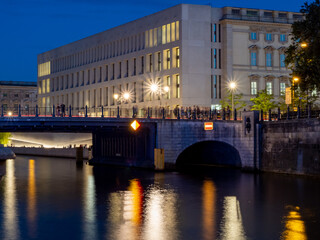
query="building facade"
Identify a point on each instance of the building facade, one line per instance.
(14, 93)
(182, 56)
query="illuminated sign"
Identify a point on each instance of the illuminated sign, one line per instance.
(135, 125)
(208, 126)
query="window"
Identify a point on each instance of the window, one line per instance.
(282, 88)
(120, 70)
(282, 15)
(253, 89)
(169, 85)
(134, 66)
(168, 59)
(214, 32)
(235, 11)
(268, 37)
(215, 58)
(177, 86)
(253, 59)
(253, 36)
(27, 95)
(178, 57)
(107, 73)
(269, 87)
(159, 61)
(267, 14)
(282, 38)
(252, 13)
(16, 95)
(5, 95)
(268, 59)
(282, 58)
(142, 64)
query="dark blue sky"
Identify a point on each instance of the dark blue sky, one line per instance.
(30, 27)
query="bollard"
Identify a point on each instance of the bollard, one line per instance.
(288, 113)
(163, 113)
(86, 113)
(269, 115)
(70, 113)
(102, 111)
(118, 112)
(19, 111)
(235, 115)
(53, 111)
(37, 114)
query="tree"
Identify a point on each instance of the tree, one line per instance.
(305, 61)
(263, 101)
(238, 103)
(4, 138)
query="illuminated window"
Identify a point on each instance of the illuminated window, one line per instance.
(168, 33)
(282, 88)
(253, 89)
(177, 86)
(44, 69)
(43, 86)
(150, 38)
(173, 31)
(169, 85)
(155, 37)
(177, 57)
(168, 59)
(159, 61)
(147, 39)
(159, 36)
(269, 87)
(48, 85)
(177, 30)
(164, 34)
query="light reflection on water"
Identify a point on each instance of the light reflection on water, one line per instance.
(120, 204)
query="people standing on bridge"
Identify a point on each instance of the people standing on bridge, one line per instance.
(63, 110)
(58, 111)
(228, 113)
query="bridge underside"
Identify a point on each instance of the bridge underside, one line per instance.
(209, 153)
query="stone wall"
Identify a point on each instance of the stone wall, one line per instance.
(175, 136)
(49, 152)
(291, 146)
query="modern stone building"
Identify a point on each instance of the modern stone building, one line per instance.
(191, 50)
(14, 93)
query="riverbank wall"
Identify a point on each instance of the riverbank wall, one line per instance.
(49, 152)
(291, 146)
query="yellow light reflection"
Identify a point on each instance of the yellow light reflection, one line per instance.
(137, 200)
(209, 209)
(232, 227)
(160, 214)
(32, 211)
(11, 225)
(294, 226)
(89, 208)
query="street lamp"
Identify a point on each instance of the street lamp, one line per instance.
(295, 79)
(304, 45)
(232, 88)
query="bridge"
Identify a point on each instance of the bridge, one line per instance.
(184, 141)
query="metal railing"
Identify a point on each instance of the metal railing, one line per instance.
(187, 113)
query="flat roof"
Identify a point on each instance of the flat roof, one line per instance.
(18, 83)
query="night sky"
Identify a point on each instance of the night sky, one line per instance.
(30, 27)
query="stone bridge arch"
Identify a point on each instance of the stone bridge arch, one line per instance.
(210, 152)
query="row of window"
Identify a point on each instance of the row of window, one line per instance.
(15, 95)
(266, 14)
(158, 61)
(138, 92)
(162, 35)
(268, 37)
(268, 59)
(268, 87)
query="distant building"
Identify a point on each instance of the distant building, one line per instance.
(14, 93)
(193, 50)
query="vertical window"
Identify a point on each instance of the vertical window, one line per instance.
(155, 37)
(282, 37)
(112, 97)
(268, 37)
(88, 81)
(214, 32)
(142, 64)
(134, 66)
(177, 86)
(134, 92)
(215, 87)
(77, 84)
(253, 36)
(269, 87)
(253, 59)
(168, 33)
(127, 68)
(268, 59)
(173, 31)
(219, 33)
(253, 88)
(150, 38)
(164, 34)
(168, 59)
(282, 58)
(219, 57)
(159, 61)
(150, 62)
(177, 30)
(107, 73)
(112, 77)
(282, 88)
(169, 85)
(94, 75)
(159, 36)
(219, 86)
(215, 58)
(100, 74)
(120, 70)
(178, 57)
(106, 98)
(142, 91)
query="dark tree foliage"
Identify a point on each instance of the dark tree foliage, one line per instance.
(305, 62)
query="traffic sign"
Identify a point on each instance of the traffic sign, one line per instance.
(208, 126)
(135, 125)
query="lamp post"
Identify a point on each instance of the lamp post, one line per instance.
(232, 87)
(294, 79)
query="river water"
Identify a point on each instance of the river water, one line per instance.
(51, 198)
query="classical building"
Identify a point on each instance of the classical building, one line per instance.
(184, 56)
(14, 93)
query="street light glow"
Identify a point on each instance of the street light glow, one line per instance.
(166, 89)
(154, 87)
(296, 79)
(232, 85)
(9, 114)
(304, 45)
(126, 95)
(116, 96)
